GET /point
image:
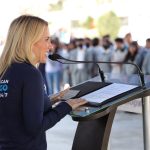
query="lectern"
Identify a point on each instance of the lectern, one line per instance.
(95, 122)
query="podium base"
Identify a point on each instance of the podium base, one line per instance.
(94, 134)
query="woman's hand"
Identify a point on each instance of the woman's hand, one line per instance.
(75, 103)
(57, 97)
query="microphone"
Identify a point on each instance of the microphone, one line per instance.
(56, 57)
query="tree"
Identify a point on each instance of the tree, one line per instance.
(89, 23)
(56, 6)
(109, 23)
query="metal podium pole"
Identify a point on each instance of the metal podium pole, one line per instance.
(146, 121)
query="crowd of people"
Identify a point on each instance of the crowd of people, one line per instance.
(121, 49)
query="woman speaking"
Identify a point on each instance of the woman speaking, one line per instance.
(25, 109)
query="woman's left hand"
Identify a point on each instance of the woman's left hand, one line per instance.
(57, 97)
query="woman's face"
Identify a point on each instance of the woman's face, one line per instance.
(42, 47)
(132, 49)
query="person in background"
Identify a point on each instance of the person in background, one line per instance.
(105, 55)
(127, 40)
(96, 48)
(146, 61)
(118, 55)
(134, 55)
(25, 108)
(73, 56)
(108, 41)
(65, 67)
(147, 45)
(80, 56)
(88, 57)
(53, 71)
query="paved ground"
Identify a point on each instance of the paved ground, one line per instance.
(127, 133)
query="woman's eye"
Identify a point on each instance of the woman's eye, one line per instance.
(47, 39)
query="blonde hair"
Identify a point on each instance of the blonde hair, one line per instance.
(23, 33)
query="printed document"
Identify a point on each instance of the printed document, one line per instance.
(108, 92)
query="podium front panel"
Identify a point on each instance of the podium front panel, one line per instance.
(89, 112)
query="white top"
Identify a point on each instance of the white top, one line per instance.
(80, 57)
(118, 56)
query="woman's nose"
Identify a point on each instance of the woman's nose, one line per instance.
(50, 46)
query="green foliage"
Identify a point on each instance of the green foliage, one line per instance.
(89, 23)
(57, 6)
(109, 23)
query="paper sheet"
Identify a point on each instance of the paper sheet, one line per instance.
(70, 94)
(108, 92)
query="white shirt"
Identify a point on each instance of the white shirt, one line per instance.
(80, 57)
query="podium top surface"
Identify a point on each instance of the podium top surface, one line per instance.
(89, 112)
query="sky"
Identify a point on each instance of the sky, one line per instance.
(10, 9)
(137, 9)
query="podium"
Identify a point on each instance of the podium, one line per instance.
(95, 122)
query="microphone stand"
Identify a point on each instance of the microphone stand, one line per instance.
(101, 73)
(57, 57)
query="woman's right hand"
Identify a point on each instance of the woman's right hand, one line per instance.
(74, 103)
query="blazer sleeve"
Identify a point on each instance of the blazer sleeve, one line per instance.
(34, 116)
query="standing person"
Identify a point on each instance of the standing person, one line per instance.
(73, 67)
(96, 48)
(65, 68)
(147, 45)
(127, 40)
(105, 55)
(80, 56)
(53, 71)
(118, 55)
(134, 55)
(146, 61)
(88, 57)
(25, 110)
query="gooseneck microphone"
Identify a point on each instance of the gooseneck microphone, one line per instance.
(56, 57)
